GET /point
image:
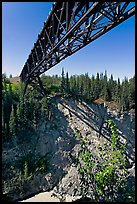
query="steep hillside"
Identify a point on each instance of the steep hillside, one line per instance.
(57, 144)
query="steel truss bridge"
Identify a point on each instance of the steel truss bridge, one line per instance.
(69, 27)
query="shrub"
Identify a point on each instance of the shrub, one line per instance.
(104, 177)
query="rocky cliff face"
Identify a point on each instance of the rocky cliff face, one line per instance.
(56, 139)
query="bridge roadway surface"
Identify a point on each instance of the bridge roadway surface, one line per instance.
(69, 27)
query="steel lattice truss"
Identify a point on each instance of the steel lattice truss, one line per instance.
(69, 27)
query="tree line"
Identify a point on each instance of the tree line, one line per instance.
(91, 88)
(24, 113)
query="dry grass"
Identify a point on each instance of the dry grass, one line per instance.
(110, 104)
(14, 80)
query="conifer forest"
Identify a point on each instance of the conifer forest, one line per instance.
(103, 179)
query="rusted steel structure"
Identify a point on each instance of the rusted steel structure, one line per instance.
(69, 27)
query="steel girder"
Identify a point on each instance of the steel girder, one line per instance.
(69, 27)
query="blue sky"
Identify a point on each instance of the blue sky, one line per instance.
(23, 21)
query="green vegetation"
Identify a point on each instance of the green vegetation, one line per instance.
(94, 87)
(104, 176)
(22, 116)
(29, 165)
(21, 172)
(77, 133)
(19, 115)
